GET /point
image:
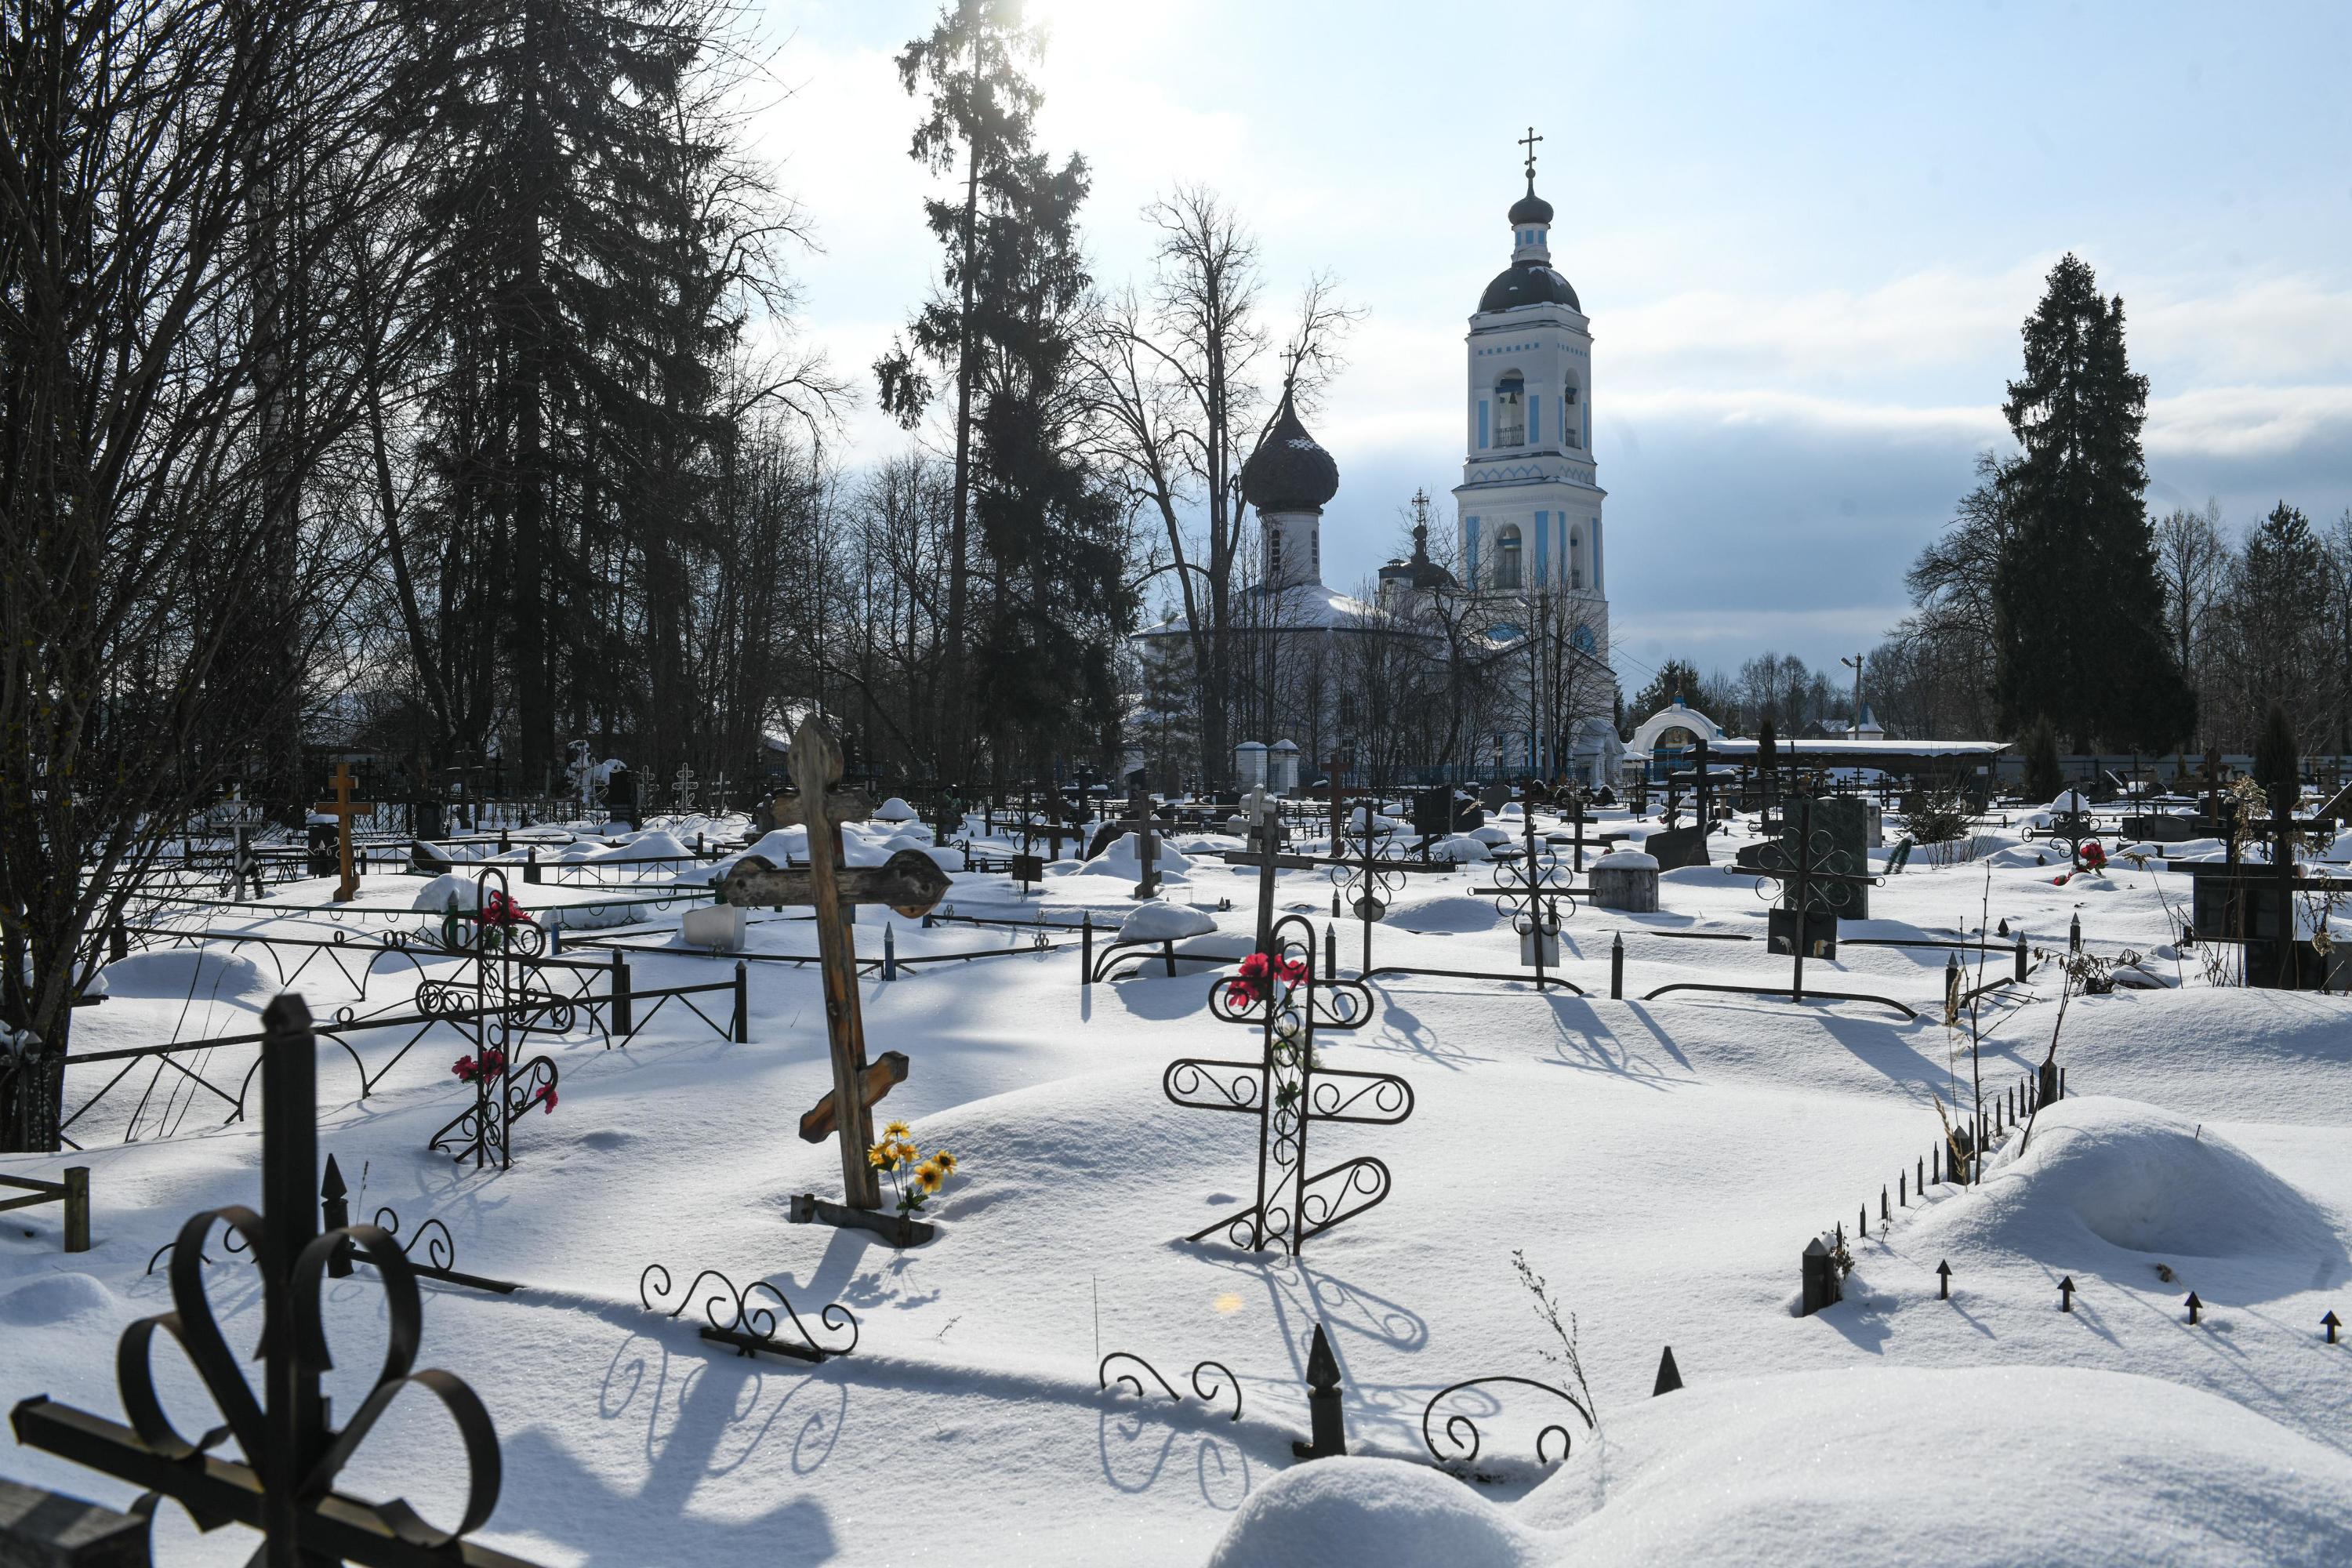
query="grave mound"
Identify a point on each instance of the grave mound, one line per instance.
(2101, 1175)
(178, 972)
(1452, 914)
(1797, 1469)
(1123, 857)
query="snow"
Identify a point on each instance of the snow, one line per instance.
(1164, 923)
(895, 809)
(1864, 1466)
(1123, 858)
(1662, 1164)
(1625, 860)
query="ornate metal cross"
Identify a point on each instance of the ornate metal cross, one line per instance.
(283, 1484)
(684, 780)
(1288, 1091)
(1528, 141)
(342, 808)
(1530, 891)
(910, 882)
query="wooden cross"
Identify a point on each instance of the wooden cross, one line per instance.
(342, 808)
(910, 882)
(1266, 828)
(1339, 799)
(1147, 843)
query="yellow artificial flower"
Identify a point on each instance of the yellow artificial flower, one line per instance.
(929, 1177)
(945, 1161)
(879, 1156)
(908, 1153)
(896, 1130)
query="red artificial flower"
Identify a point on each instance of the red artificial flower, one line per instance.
(546, 1096)
(464, 1070)
(497, 909)
(1254, 966)
(1240, 993)
(2094, 857)
(494, 1062)
(1292, 970)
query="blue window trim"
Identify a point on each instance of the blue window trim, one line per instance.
(1481, 424)
(1543, 547)
(1535, 419)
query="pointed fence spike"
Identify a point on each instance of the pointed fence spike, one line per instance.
(2066, 1294)
(1944, 1280)
(1670, 1376)
(2194, 1306)
(332, 1186)
(2331, 1324)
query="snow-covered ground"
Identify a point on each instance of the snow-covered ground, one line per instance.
(1661, 1165)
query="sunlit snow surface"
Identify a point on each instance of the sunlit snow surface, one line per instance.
(1661, 1163)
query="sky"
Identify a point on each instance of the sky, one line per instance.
(1806, 236)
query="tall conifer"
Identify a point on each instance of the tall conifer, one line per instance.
(2079, 607)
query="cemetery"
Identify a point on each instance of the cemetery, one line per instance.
(720, 847)
(1792, 1127)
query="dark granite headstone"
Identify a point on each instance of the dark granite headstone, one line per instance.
(621, 797)
(1676, 847)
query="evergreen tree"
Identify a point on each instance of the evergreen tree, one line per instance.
(979, 112)
(1675, 677)
(2278, 605)
(2278, 761)
(2079, 607)
(565, 194)
(2044, 778)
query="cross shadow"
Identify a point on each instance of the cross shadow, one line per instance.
(721, 1413)
(1583, 1041)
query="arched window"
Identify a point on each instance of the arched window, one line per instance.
(1506, 556)
(1511, 411)
(1572, 416)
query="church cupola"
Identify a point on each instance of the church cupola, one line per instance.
(1529, 280)
(1288, 478)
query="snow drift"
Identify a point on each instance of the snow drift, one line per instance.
(1850, 1468)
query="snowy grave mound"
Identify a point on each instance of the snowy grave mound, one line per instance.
(1210, 843)
(1165, 923)
(2101, 1175)
(1625, 860)
(2341, 850)
(650, 845)
(1459, 850)
(1490, 834)
(437, 895)
(1123, 857)
(180, 972)
(1797, 1469)
(1449, 915)
(895, 809)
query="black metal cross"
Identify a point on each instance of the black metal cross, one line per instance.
(1815, 864)
(1267, 834)
(1288, 1091)
(283, 1484)
(1365, 866)
(1528, 141)
(1531, 890)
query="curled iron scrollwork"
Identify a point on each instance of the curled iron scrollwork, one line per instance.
(1207, 1392)
(1462, 1430)
(737, 1316)
(440, 1246)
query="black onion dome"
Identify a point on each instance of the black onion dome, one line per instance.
(1531, 208)
(1289, 472)
(1527, 283)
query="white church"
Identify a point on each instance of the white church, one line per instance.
(1528, 514)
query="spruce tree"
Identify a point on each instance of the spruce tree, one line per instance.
(2079, 609)
(2043, 777)
(2278, 762)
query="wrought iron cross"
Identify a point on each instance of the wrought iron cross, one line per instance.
(342, 808)
(1528, 141)
(283, 1484)
(1288, 1091)
(684, 779)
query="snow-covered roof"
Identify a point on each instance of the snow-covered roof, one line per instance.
(1305, 607)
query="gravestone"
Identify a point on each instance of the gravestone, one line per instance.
(1844, 821)
(1676, 847)
(621, 797)
(1626, 879)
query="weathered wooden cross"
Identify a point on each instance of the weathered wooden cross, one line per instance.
(342, 808)
(1339, 799)
(1267, 834)
(910, 882)
(1147, 841)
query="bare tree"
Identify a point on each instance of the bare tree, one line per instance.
(168, 369)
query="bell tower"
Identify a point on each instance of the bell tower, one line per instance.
(1529, 506)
